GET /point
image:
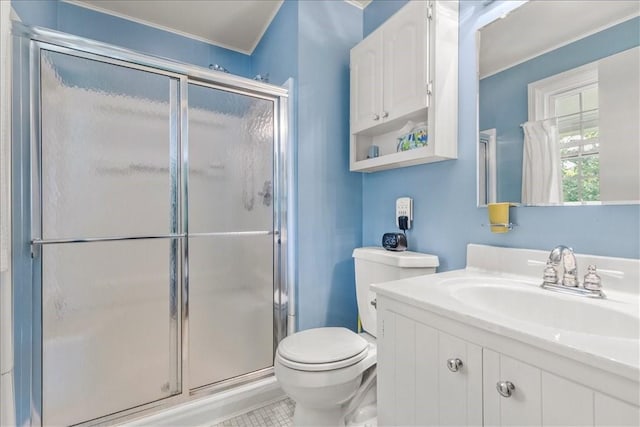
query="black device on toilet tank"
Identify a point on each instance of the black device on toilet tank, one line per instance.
(397, 241)
(394, 241)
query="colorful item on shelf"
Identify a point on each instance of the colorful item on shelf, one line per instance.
(415, 139)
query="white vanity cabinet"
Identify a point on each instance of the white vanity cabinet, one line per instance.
(541, 398)
(425, 376)
(613, 412)
(397, 73)
(537, 397)
(433, 371)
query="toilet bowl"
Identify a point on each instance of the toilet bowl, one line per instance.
(323, 381)
(330, 372)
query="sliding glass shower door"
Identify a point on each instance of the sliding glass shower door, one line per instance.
(108, 232)
(231, 245)
(156, 234)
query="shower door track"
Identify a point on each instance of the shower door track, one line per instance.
(29, 42)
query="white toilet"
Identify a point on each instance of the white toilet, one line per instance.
(330, 372)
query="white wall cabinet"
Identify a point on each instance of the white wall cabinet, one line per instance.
(366, 81)
(406, 70)
(420, 383)
(389, 74)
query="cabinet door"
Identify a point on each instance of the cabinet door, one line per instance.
(397, 363)
(613, 412)
(523, 406)
(366, 83)
(415, 384)
(404, 38)
(386, 364)
(459, 387)
(565, 403)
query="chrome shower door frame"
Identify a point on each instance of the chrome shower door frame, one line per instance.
(29, 180)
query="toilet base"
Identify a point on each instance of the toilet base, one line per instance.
(308, 417)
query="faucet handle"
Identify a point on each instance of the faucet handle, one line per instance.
(550, 274)
(570, 279)
(592, 280)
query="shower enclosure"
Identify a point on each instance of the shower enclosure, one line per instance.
(153, 203)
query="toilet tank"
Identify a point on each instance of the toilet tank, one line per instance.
(377, 265)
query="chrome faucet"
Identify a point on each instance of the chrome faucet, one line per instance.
(569, 283)
(565, 255)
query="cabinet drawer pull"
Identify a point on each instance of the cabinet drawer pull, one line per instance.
(385, 114)
(454, 365)
(505, 388)
(375, 117)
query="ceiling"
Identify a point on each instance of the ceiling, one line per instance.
(540, 26)
(234, 24)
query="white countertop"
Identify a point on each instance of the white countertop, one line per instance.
(441, 294)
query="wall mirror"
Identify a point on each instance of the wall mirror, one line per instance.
(559, 104)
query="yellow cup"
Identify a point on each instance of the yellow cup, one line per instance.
(499, 214)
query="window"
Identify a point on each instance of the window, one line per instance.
(576, 113)
(571, 99)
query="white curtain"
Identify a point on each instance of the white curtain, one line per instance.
(541, 165)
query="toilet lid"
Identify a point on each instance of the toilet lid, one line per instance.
(322, 345)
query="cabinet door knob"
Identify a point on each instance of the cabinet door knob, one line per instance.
(375, 117)
(454, 365)
(505, 388)
(385, 114)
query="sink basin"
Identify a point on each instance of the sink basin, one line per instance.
(531, 304)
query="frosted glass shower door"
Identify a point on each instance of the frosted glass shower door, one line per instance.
(109, 252)
(231, 242)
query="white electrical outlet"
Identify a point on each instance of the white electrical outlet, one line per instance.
(404, 207)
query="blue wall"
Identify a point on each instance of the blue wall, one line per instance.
(446, 215)
(379, 11)
(504, 100)
(277, 51)
(90, 24)
(37, 12)
(329, 196)
(311, 41)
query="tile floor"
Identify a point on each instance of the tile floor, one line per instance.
(276, 414)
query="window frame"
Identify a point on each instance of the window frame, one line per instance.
(542, 93)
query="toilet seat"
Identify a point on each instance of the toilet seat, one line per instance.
(322, 349)
(315, 367)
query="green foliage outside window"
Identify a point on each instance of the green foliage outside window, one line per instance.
(590, 168)
(581, 167)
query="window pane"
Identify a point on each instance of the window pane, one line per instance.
(590, 178)
(590, 98)
(567, 104)
(590, 125)
(570, 181)
(569, 124)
